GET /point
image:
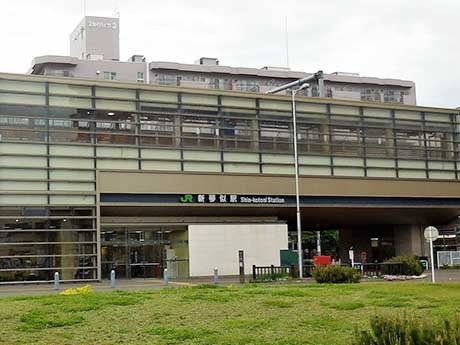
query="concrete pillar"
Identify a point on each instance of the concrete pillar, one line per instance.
(67, 249)
(448, 145)
(255, 134)
(178, 130)
(389, 141)
(324, 138)
(409, 240)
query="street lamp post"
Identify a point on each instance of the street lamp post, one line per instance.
(302, 84)
(296, 167)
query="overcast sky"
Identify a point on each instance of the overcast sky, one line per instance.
(412, 39)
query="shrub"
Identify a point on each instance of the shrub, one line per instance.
(396, 331)
(411, 265)
(84, 290)
(335, 274)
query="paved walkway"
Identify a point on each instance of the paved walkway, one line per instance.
(442, 276)
(45, 289)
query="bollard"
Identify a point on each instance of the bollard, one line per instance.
(165, 277)
(216, 276)
(56, 281)
(112, 279)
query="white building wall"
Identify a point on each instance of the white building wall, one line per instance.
(217, 245)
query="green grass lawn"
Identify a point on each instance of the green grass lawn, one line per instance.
(251, 314)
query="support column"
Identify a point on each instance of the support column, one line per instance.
(67, 250)
(324, 138)
(255, 134)
(389, 142)
(177, 130)
(408, 240)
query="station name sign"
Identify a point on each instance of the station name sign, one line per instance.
(230, 199)
(102, 25)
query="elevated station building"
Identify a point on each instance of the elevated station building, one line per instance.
(138, 166)
(96, 175)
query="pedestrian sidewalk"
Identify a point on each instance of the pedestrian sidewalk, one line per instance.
(104, 285)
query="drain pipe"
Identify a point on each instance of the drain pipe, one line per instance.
(147, 72)
(320, 77)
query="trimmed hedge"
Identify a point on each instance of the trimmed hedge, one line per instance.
(396, 331)
(412, 265)
(335, 274)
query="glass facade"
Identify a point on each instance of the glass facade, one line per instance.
(55, 134)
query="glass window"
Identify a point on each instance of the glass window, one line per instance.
(110, 75)
(115, 93)
(248, 86)
(275, 135)
(310, 138)
(393, 96)
(140, 77)
(235, 133)
(439, 145)
(346, 140)
(379, 142)
(69, 89)
(370, 95)
(20, 128)
(21, 86)
(115, 127)
(167, 79)
(199, 131)
(157, 129)
(409, 143)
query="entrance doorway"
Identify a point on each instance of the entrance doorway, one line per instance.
(144, 252)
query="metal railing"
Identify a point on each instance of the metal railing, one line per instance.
(268, 273)
(448, 258)
(383, 268)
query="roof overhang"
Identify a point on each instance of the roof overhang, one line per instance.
(39, 61)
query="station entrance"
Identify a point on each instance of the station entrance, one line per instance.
(141, 241)
(143, 251)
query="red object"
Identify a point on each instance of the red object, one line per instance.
(322, 260)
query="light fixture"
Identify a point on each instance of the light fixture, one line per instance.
(64, 220)
(110, 113)
(17, 220)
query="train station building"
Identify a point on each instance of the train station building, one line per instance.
(138, 166)
(96, 175)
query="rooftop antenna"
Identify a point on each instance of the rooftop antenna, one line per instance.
(287, 40)
(116, 10)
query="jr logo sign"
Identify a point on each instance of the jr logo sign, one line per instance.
(186, 198)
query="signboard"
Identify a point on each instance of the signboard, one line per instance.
(431, 233)
(102, 25)
(230, 199)
(241, 265)
(269, 200)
